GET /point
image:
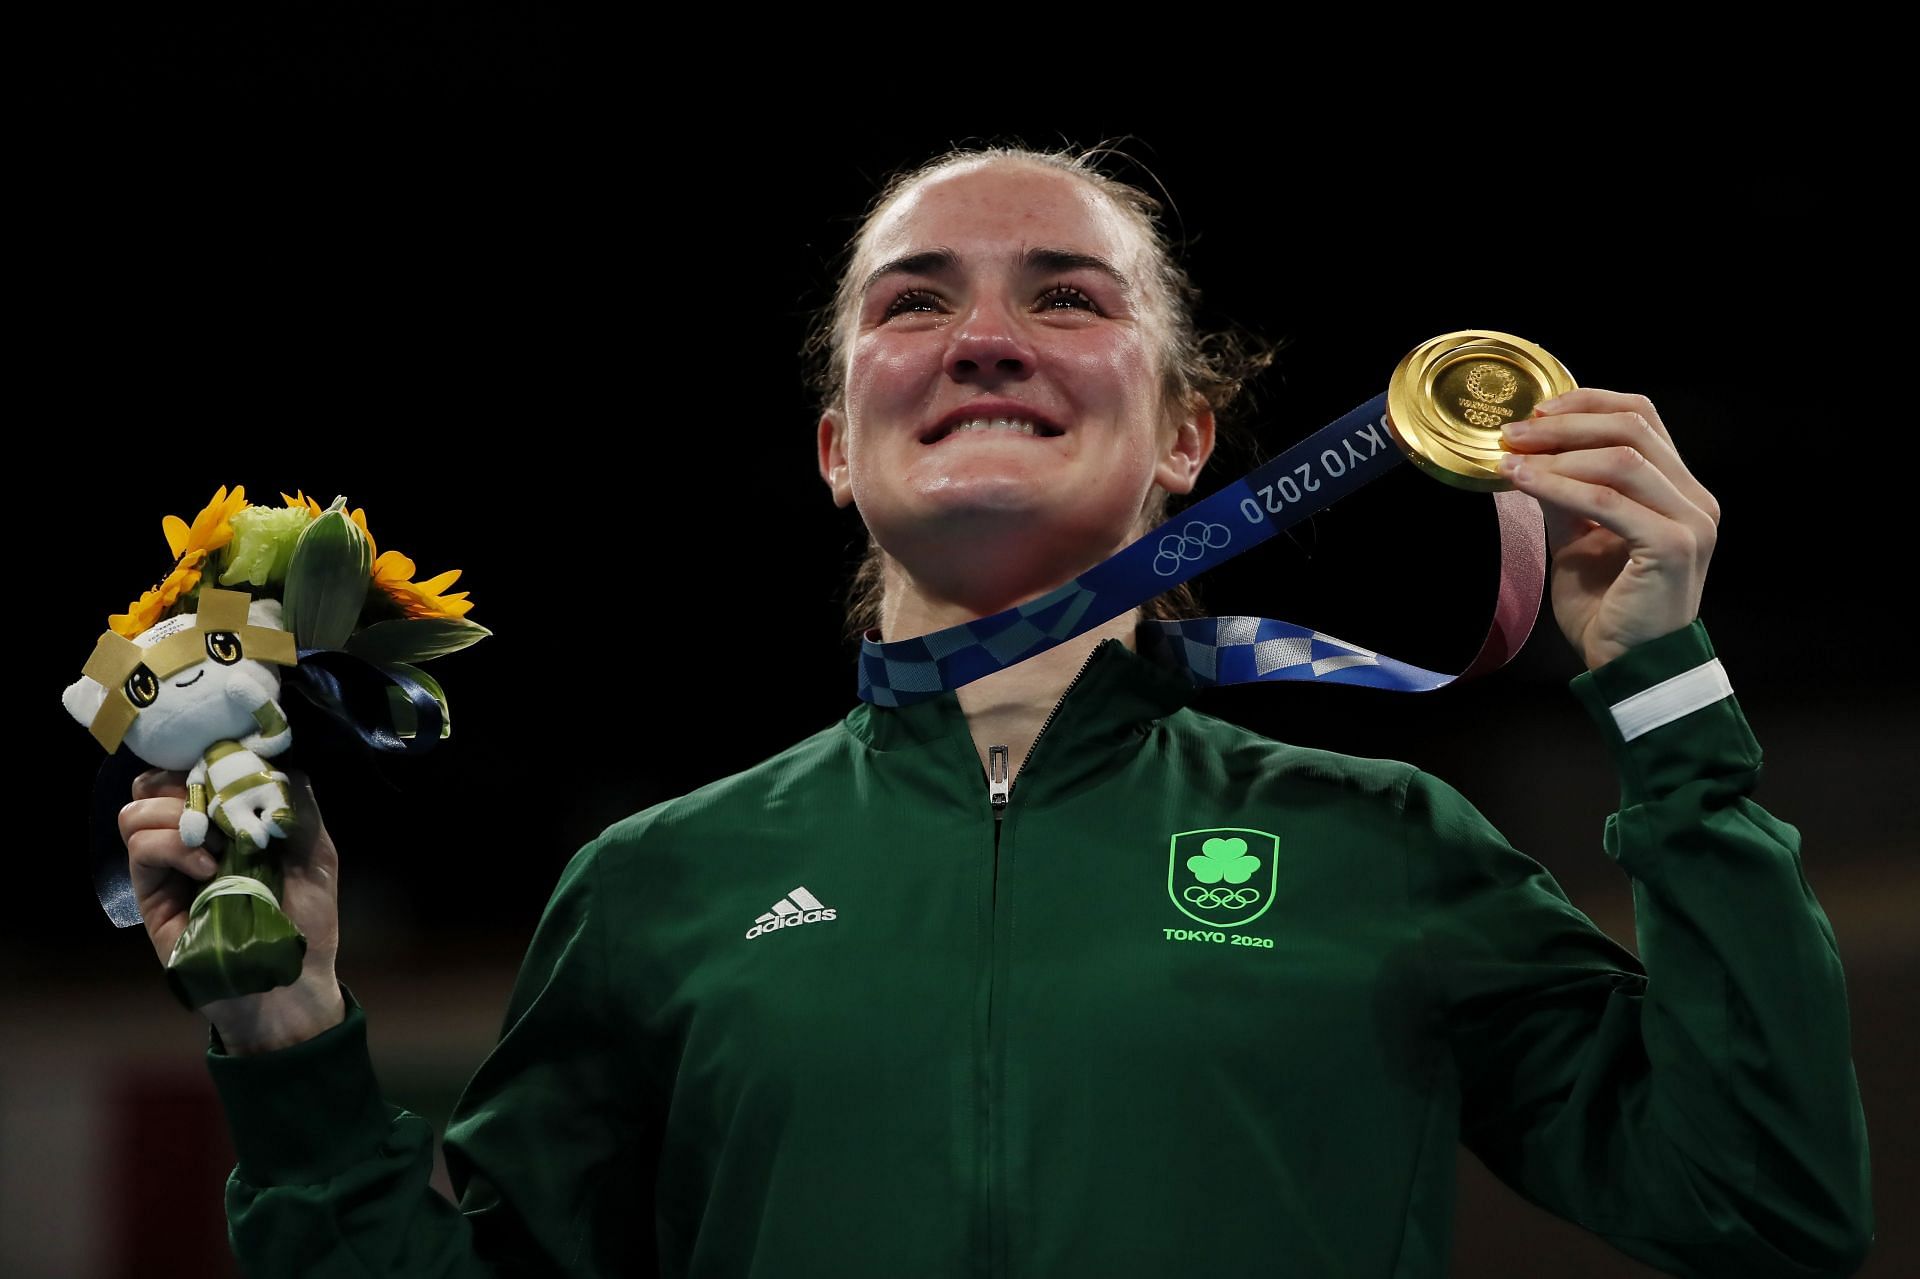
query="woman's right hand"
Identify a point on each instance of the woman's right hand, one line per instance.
(167, 875)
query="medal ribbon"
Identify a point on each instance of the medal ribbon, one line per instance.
(1307, 478)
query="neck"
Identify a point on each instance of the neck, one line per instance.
(1007, 707)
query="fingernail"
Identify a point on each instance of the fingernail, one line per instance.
(1513, 467)
(204, 864)
(1551, 406)
(1516, 430)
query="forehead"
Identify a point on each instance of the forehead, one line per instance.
(999, 210)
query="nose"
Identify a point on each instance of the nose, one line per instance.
(988, 347)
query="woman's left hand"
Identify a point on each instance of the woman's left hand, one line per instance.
(1629, 528)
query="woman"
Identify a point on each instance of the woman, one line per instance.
(845, 1014)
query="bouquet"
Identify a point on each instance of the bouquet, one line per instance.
(190, 678)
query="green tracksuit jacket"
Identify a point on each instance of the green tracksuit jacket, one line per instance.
(1193, 1002)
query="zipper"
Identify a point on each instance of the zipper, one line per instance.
(999, 785)
(999, 782)
(998, 788)
(999, 793)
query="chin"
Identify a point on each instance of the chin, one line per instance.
(965, 501)
(1002, 526)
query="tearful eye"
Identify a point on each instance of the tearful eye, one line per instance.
(223, 647)
(142, 687)
(1066, 293)
(911, 300)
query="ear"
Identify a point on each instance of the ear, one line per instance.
(833, 458)
(83, 699)
(1187, 450)
(266, 613)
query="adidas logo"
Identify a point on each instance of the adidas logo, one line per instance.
(796, 908)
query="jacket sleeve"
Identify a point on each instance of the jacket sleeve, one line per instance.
(548, 1150)
(1700, 1112)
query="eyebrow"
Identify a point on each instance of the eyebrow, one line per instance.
(937, 261)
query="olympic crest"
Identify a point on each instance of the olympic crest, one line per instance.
(1223, 877)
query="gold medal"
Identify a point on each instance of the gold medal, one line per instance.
(1452, 395)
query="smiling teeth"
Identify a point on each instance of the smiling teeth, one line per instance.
(1021, 425)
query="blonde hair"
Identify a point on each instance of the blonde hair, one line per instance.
(1214, 367)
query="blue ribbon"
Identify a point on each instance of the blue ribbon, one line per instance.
(354, 692)
(1307, 478)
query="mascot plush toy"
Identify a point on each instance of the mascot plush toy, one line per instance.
(199, 693)
(190, 679)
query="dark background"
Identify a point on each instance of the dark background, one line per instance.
(540, 315)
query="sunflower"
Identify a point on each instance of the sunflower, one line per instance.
(393, 573)
(211, 529)
(190, 544)
(300, 498)
(153, 605)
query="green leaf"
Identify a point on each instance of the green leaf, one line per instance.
(415, 639)
(406, 722)
(327, 581)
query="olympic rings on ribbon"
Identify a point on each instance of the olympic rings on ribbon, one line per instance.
(1189, 543)
(1214, 899)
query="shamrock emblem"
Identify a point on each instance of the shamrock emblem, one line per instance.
(1226, 859)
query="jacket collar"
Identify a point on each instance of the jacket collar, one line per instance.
(1118, 693)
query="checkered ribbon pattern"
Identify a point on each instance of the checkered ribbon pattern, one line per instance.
(1246, 650)
(1207, 650)
(913, 670)
(1210, 651)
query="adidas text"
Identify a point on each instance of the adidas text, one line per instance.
(786, 914)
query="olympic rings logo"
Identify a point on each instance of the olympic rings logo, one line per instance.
(1215, 899)
(1503, 379)
(1504, 384)
(1189, 544)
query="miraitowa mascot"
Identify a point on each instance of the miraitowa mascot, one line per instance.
(199, 692)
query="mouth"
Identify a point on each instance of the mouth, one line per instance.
(992, 419)
(195, 680)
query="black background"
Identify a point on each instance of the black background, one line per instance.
(541, 317)
(531, 290)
